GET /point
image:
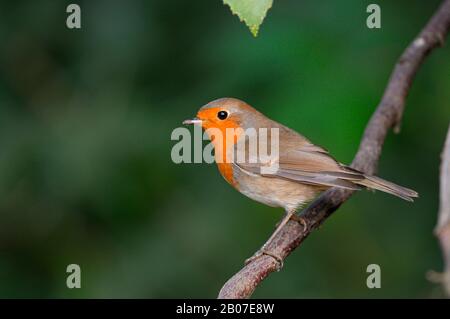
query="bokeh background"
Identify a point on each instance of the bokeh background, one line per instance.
(86, 175)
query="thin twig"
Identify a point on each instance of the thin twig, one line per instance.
(387, 115)
(442, 230)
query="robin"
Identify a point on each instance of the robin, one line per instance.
(301, 171)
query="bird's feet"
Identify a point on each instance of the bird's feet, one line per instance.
(262, 252)
(301, 221)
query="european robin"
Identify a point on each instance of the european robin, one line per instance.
(301, 171)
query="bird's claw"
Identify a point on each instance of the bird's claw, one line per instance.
(302, 221)
(254, 257)
(261, 252)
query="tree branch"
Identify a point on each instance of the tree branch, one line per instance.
(387, 115)
(442, 230)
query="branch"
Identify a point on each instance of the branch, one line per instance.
(442, 230)
(387, 115)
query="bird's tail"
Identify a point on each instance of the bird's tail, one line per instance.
(377, 183)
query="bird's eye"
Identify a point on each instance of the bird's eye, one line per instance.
(222, 115)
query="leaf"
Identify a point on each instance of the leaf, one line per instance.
(252, 12)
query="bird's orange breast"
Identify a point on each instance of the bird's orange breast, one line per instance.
(223, 142)
(226, 169)
(223, 163)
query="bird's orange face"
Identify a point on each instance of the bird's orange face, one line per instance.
(217, 118)
(222, 128)
(223, 114)
(225, 121)
(221, 120)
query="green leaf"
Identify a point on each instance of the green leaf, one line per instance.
(252, 12)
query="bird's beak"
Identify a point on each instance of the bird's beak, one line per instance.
(192, 121)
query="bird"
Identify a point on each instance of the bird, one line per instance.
(301, 169)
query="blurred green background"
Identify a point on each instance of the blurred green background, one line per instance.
(85, 170)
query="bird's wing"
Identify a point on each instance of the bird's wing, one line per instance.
(308, 164)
